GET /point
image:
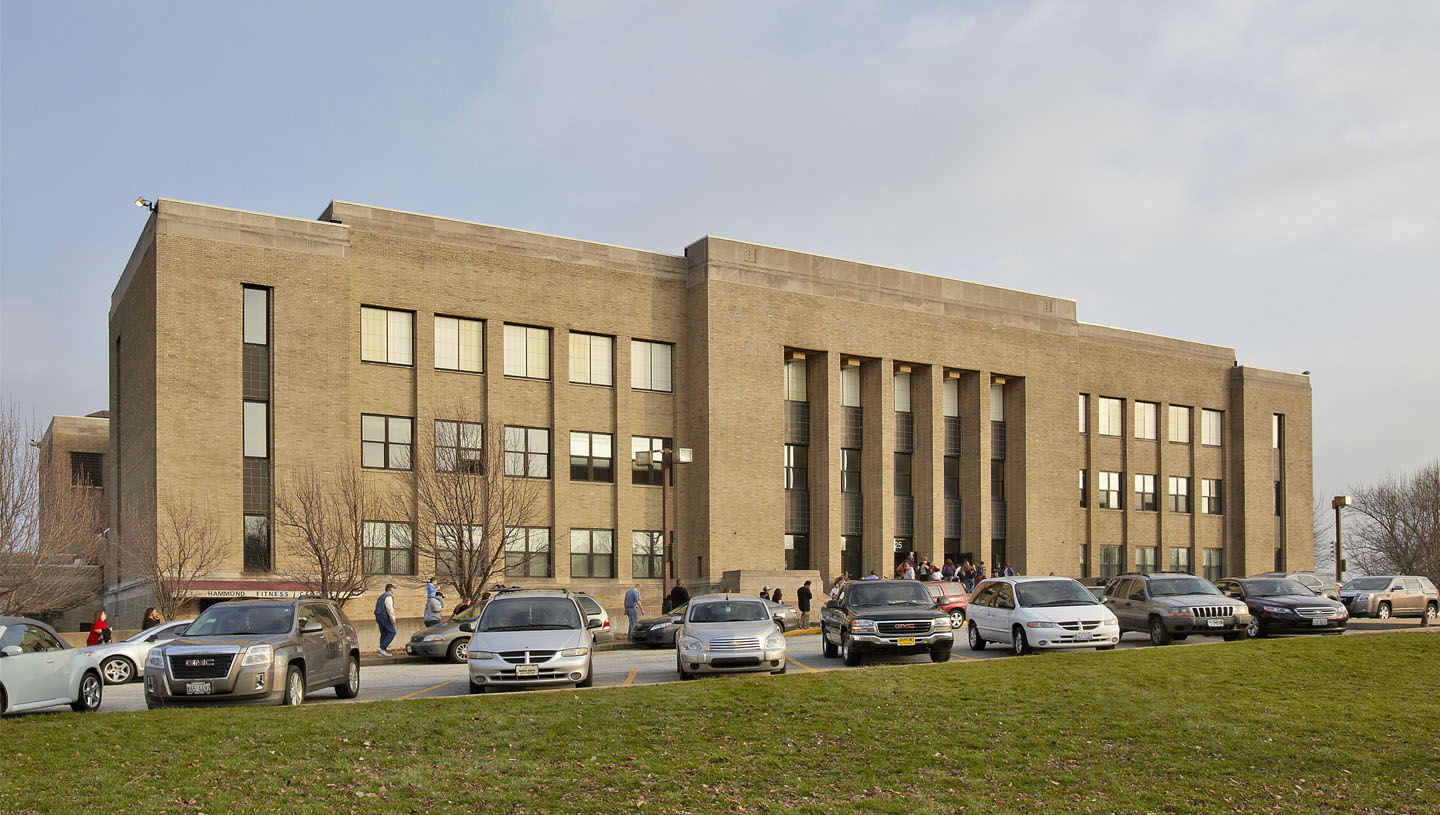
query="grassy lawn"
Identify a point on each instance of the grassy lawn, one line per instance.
(1303, 725)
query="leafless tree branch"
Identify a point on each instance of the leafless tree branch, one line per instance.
(1395, 524)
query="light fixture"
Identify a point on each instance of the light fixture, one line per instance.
(141, 202)
(1304, 373)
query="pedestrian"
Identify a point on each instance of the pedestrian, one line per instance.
(1009, 572)
(802, 599)
(909, 570)
(385, 617)
(633, 608)
(835, 589)
(679, 595)
(872, 576)
(460, 608)
(433, 608)
(430, 589)
(947, 572)
(100, 631)
(151, 619)
(765, 593)
(775, 598)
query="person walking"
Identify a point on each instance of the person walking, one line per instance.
(947, 572)
(99, 632)
(385, 617)
(633, 608)
(679, 595)
(430, 589)
(434, 608)
(909, 570)
(802, 599)
(1009, 572)
(151, 619)
(775, 598)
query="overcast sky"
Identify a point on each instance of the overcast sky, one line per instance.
(1264, 176)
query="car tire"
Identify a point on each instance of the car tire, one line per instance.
(589, 680)
(1255, 629)
(1159, 634)
(957, 618)
(1431, 610)
(1383, 612)
(91, 692)
(1019, 645)
(1233, 636)
(1105, 648)
(784, 663)
(849, 653)
(349, 687)
(294, 691)
(458, 647)
(474, 688)
(1179, 637)
(977, 643)
(940, 655)
(828, 648)
(680, 669)
(117, 670)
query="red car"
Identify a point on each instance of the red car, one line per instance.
(950, 598)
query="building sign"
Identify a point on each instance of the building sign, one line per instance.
(264, 594)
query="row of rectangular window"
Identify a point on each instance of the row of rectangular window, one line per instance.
(389, 549)
(1109, 492)
(1111, 420)
(1146, 560)
(795, 388)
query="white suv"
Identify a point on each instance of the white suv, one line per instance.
(531, 637)
(1039, 612)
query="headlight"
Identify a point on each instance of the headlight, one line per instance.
(155, 659)
(434, 638)
(1362, 598)
(940, 624)
(482, 655)
(689, 644)
(775, 641)
(1039, 624)
(863, 626)
(574, 652)
(1240, 611)
(258, 655)
(1179, 612)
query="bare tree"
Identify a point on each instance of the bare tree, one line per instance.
(49, 526)
(173, 551)
(324, 514)
(468, 495)
(1396, 527)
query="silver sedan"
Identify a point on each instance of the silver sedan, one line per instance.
(728, 634)
(120, 662)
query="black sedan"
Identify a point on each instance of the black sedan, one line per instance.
(1280, 605)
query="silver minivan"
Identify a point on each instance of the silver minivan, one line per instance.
(528, 638)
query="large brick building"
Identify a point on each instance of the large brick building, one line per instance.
(839, 413)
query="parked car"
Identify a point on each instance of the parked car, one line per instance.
(446, 640)
(729, 633)
(660, 629)
(1318, 583)
(1391, 596)
(594, 611)
(1039, 612)
(120, 661)
(894, 616)
(950, 597)
(531, 637)
(1173, 605)
(785, 615)
(1279, 605)
(39, 669)
(256, 652)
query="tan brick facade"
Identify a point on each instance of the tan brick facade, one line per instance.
(734, 313)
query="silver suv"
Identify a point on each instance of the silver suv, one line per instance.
(256, 652)
(528, 637)
(1391, 596)
(1173, 605)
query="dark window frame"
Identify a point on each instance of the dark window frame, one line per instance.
(390, 549)
(587, 468)
(388, 447)
(527, 455)
(472, 464)
(647, 554)
(589, 557)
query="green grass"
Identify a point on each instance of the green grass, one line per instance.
(1304, 725)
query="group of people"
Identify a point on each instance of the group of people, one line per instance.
(965, 573)
(100, 633)
(432, 613)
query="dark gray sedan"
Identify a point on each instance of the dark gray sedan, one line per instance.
(446, 640)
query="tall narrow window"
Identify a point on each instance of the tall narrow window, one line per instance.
(650, 366)
(1083, 409)
(592, 457)
(850, 470)
(1084, 489)
(592, 359)
(459, 344)
(902, 474)
(795, 380)
(646, 551)
(797, 467)
(1214, 564)
(592, 553)
(1112, 412)
(1211, 496)
(387, 335)
(850, 385)
(1179, 425)
(1146, 415)
(1179, 494)
(1211, 424)
(257, 543)
(527, 352)
(902, 392)
(527, 452)
(1109, 489)
(257, 430)
(950, 398)
(952, 478)
(257, 316)
(1145, 492)
(997, 403)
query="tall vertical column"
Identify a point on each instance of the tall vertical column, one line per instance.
(928, 461)
(826, 522)
(877, 399)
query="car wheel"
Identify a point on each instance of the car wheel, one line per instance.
(1255, 629)
(474, 688)
(589, 680)
(940, 655)
(350, 688)
(1019, 646)
(294, 692)
(680, 669)
(957, 618)
(849, 653)
(1179, 637)
(458, 647)
(783, 665)
(1430, 611)
(90, 693)
(1233, 636)
(828, 648)
(117, 670)
(1159, 634)
(977, 643)
(1384, 611)
(1105, 648)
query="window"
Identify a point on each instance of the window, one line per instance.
(87, 469)
(592, 553)
(797, 551)
(592, 359)
(386, 335)
(458, 447)
(385, 441)
(1109, 489)
(1084, 411)
(997, 403)
(850, 470)
(1179, 494)
(257, 543)
(1276, 430)
(997, 480)
(592, 458)
(457, 547)
(795, 380)
(527, 352)
(1145, 558)
(1111, 414)
(459, 344)
(527, 551)
(1110, 560)
(952, 477)
(527, 452)
(902, 474)
(852, 555)
(387, 548)
(1179, 429)
(950, 398)
(1210, 427)
(257, 316)
(1145, 492)
(1146, 414)
(1279, 498)
(902, 392)
(850, 385)
(650, 365)
(1084, 488)
(645, 552)
(1084, 561)
(649, 474)
(1211, 501)
(256, 430)
(1214, 564)
(797, 467)
(1179, 560)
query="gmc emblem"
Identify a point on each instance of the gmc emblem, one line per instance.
(906, 626)
(199, 663)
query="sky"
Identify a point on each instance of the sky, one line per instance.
(1263, 176)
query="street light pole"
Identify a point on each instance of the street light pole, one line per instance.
(1336, 503)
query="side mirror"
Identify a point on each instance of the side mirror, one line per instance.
(468, 628)
(589, 623)
(11, 651)
(1395, 588)
(311, 627)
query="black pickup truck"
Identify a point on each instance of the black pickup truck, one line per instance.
(894, 616)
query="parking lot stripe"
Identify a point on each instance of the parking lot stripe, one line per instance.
(630, 677)
(427, 690)
(802, 666)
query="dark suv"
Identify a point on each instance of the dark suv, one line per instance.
(896, 616)
(255, 652)
(1173, 605)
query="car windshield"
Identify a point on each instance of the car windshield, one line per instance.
(468, 614)
(1276, 588)
(729, 611)
(1175, 586)
(1042, 593)
(889, 593)
(531, 614)
(229, 621)
(1368, 584)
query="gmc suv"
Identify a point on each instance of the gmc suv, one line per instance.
(1173, 605)
(255, 652)
(896, 616)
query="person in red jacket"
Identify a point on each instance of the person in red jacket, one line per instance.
(100, 631)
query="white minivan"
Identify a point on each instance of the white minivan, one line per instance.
(1039, 612)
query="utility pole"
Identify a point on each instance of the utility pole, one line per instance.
(1337, 503)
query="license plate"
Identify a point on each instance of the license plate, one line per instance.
(906, 641)
(1083, 637)
(527, 670)
(198, 688)
(1215, 622)
(1319, 622)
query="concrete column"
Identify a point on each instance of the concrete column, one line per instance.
(877, 397)
(822, 373)
(928, 462)
(975, 464)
